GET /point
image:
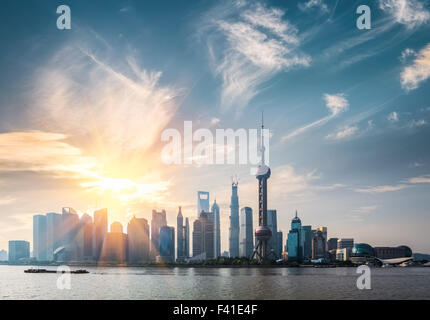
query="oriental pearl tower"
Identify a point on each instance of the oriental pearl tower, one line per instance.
(262, 233)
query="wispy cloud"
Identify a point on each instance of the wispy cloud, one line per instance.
(418, 71)
(407, 183)
(313, 4)
(358, 214)
(410, 13)
(258, 44)
(6, 200)
(344, 133)
(335, 103)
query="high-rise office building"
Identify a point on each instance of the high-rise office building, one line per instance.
(158, 220)
(324, 233)
(217, 231)
(295, 240)
(69, 230)
(86, 238)
(40, 238)
(18, 250)
(115, 245)
(272, 224)
(234, 222)
(187, 238)
(345, 243)
(319, 244)
(203, 237)
(138, 240)
(246, 233)
(307, 236)
(101, 229)
(180, 236)
(53, 234)
(280, 239)
(332, 244)
(202, 202)
(167, 244)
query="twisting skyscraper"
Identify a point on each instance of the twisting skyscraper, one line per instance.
(234, 221)
(262, 233)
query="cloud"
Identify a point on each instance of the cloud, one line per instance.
(417, 123)
(344, 133)
(311, 4)
(407, 53)
(358, 214)
(6, 201)
(402, 185)
(418, 71)
(335, 103)
(410, 13)
(382, 189)
(258, 44)
(393, 117)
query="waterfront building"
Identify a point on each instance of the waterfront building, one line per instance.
(332, 243)
(345, 243)
(180, 237)
(187, 238)
(203, 237)
(319, 245)
(343, 254)
(18, 250)
(138, 240)
(86, 238)
(280, 239)
(101, 229)
(324, 234)
(234, 222)
(167, 245)
(307, 236)
(246, 241)
(295, 240)
(3, 255)
(39, 238)
(393, 252)
(115, 245)
(53, 234)
(362, 253)
(202, 202)
(272, 224)
(69, 231)
(158, 220)
(216, 212)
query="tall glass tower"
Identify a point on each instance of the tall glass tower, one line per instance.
(234, 221)
(217, 227)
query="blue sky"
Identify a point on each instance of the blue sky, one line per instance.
(82, 110)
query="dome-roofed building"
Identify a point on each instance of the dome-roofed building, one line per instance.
(362, 253)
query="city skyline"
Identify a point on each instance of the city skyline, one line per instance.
(82, 112)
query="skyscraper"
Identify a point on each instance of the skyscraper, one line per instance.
(138, 240)
(167, 244)
(69, 230)
(272, 224)
(115, 245)
(180, 236)
(295, 240)
(217, 231)
(101, 228)
(234, 222)
(53, 234)
(279, 237)
(332, 244)
(18, 250)
(86, 238)
(158, 221)
(40, 238)
(246, 233)
(324, 234)
(307, 236)
(203, 237)
(202, 202)
(319, 245)
(262, 233)
(187, 238)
